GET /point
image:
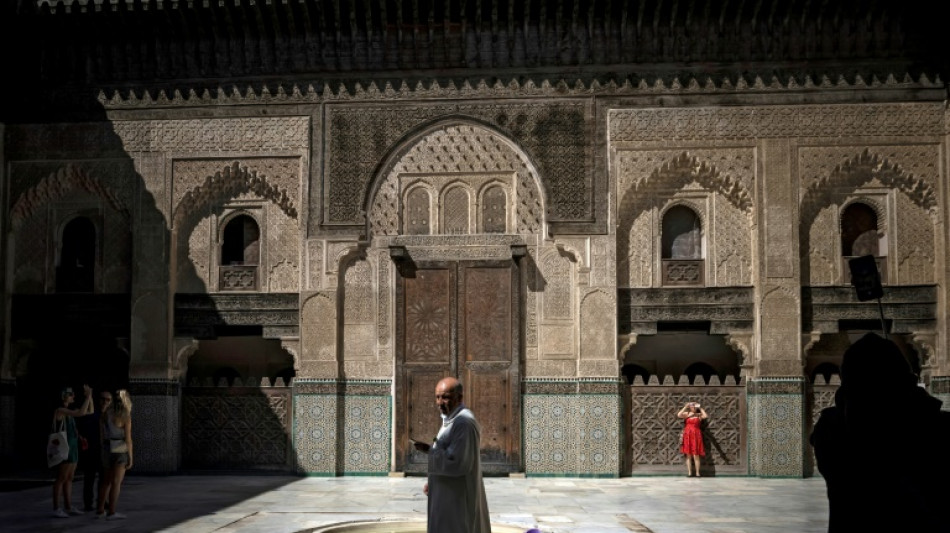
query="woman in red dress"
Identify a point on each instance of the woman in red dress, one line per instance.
(692, 446)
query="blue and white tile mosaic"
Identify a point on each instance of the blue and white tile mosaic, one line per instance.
(776, 427)
(572, 435)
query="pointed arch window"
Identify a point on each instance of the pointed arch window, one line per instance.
(240, 254)
(417, 212)
(455, 212)
(494, 210)
(682, 247)
(861, 236)
(76, 270)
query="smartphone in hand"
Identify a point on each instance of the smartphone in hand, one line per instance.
(419, 445)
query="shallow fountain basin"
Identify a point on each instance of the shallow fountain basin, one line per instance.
(398, 526)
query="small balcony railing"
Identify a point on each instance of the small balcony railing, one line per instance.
(237, 278)
(683, 272)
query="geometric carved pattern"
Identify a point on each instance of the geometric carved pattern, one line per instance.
(59, 185)
(236, 427)
(458, 152)
(572, 434)
(656, 432)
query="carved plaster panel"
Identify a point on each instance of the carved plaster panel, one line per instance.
(650, 181)
(558, 274)
(781, 331)
(598, 330)
(318, 326)
(213, 136)
(314, 264)
(553, 133)
(730, 123)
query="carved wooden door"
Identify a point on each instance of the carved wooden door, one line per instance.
(459, 319)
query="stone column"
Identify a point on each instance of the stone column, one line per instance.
(776, 392)
(153, 384)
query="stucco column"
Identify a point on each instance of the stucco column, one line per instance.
(153, 383)
(776, 392)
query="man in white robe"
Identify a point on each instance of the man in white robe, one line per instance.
(456, 493)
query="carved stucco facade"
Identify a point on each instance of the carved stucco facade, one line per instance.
(582, 184)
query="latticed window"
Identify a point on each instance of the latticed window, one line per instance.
(76, 269)
(860, 236)
(494, 204)
(682, 247)
(417, 212)
(240, 254)
(455, 212)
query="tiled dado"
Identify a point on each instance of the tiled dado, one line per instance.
(156, 416)
(7, 420)
(342, 427)
(777, 437)
(572, 428)
(940, 389)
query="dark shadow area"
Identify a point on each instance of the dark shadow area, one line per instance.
(89, 266)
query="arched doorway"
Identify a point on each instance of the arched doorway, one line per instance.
(456, 229)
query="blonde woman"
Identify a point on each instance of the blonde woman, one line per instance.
(65, 414)
(116, 430)
(692, 447)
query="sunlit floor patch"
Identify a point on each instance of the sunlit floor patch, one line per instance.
(394, 526)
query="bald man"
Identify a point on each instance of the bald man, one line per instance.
(456, 493)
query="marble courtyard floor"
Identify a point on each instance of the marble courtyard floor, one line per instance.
(287, 504)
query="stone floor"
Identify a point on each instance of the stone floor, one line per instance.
(285, 504)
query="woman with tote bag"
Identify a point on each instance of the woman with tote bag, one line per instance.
(63, 417)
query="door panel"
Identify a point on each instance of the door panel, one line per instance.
(426, 323)
(459, 319)
(486, 340)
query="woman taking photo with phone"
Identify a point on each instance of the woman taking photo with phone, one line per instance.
(64, 416)
(692, 443)
(116, 427)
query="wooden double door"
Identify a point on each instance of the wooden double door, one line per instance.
(461, 319)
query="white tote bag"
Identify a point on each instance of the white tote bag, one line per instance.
(57, 447)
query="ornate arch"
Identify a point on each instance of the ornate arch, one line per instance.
(59, 184)
(229, 182)
(853, 174)
(454, 146)
(879, 211)
(676, 173)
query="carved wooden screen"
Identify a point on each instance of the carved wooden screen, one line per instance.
(655, 431)
(458, 319)
(236, 428)
(488, 359)
(426, 332)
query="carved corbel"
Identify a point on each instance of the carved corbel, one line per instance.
(184, 349)
(926, 345)
(292, 346)
(625, 343)
(571, 252)
(809, 342)
(742, 343)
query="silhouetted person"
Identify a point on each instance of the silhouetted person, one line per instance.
(879, 447)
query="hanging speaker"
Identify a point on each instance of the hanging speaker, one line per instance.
(865, 278)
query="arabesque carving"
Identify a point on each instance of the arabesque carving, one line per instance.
(57, 186)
